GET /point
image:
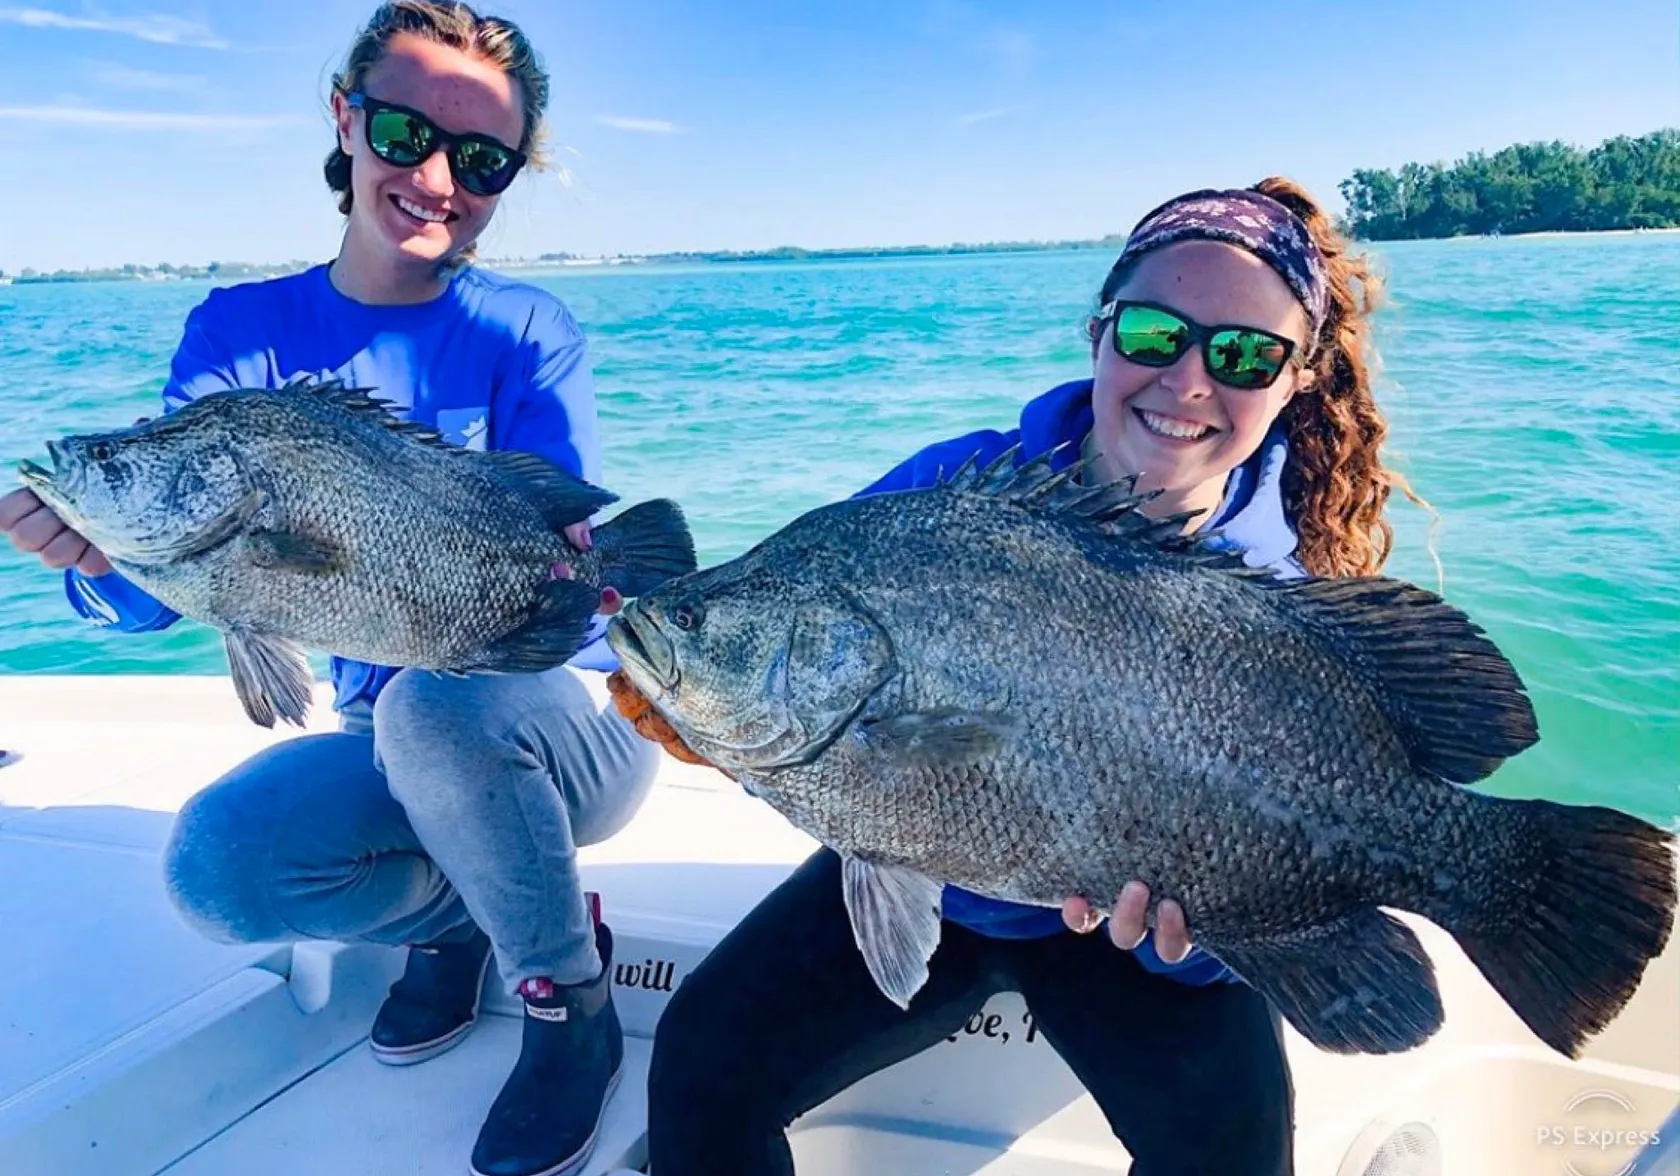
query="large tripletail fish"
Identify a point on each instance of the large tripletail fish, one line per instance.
(311, 517)
(1020, 685)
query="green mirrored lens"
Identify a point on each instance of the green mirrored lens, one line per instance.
(480, 161)
(1145, 335)
(397, 138)
(1245, 358)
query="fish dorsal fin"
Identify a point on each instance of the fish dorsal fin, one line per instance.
(1112, 508)
(560, 496)
(360, 402)
(1456, 703)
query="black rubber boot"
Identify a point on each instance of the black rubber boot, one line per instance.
(544, 1121)
(432, 1007)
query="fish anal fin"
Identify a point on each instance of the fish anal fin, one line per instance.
(271, 676)
(895, 914)
(554, 631)
(1359, 984)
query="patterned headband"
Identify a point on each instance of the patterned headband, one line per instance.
(1250, 221)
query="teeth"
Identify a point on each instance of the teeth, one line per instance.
(1169, 427)
(424, 214)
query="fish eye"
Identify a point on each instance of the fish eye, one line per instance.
(102, 451)
(687, 617)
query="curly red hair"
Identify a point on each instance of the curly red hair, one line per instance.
(1336, 485)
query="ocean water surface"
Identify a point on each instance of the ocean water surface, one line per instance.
(1532, 385)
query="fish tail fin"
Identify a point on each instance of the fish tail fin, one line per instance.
(640, 548)
(1361, 983)
(554, 631)
(1566, 933)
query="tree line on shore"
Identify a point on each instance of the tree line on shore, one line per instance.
(1623, 183)
(163, 271)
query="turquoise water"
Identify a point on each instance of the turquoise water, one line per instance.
(1533, 386)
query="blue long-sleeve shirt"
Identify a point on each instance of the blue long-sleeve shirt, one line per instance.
(1251, 519)
(490, 363)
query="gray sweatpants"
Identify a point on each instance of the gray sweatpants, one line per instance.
(458, 800)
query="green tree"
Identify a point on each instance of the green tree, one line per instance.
(1623, 183)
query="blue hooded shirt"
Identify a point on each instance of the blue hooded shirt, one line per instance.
(1251, 519)
(490, 363)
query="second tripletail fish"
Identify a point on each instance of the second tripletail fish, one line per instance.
(311, 517)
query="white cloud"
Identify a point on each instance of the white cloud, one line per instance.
(122, 77)
(645, 126)
(158, 28)
(980, 116)
(145, 120)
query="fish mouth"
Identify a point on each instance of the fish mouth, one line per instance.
(34, 475)
(645, 651)
(57, 479)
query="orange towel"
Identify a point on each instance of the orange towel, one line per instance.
(649, 723)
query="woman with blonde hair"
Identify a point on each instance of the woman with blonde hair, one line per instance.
(446, 813)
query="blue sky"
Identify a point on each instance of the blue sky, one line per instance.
(193, 130)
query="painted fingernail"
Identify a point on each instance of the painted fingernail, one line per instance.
(611, 598)
(560, 571)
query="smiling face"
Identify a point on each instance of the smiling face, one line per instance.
(1175, 427)
(409, 217)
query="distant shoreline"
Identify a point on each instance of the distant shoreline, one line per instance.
(562, 262)
(565, 261)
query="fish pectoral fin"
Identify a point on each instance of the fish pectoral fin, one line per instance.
(271, 675)
(293, 551)
(555, 630)
(937, 738)
(559, 496)
(1359, 984)
(221, 528)
(895, 920)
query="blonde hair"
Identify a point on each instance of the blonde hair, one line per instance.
(445, 22)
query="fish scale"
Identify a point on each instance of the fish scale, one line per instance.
(1022, 685)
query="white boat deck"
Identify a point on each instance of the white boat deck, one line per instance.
(128, 1045)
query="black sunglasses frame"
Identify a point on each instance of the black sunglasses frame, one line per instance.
(1196, 335)
(440, 140)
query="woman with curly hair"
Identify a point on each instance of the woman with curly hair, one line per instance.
(1229, 373)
